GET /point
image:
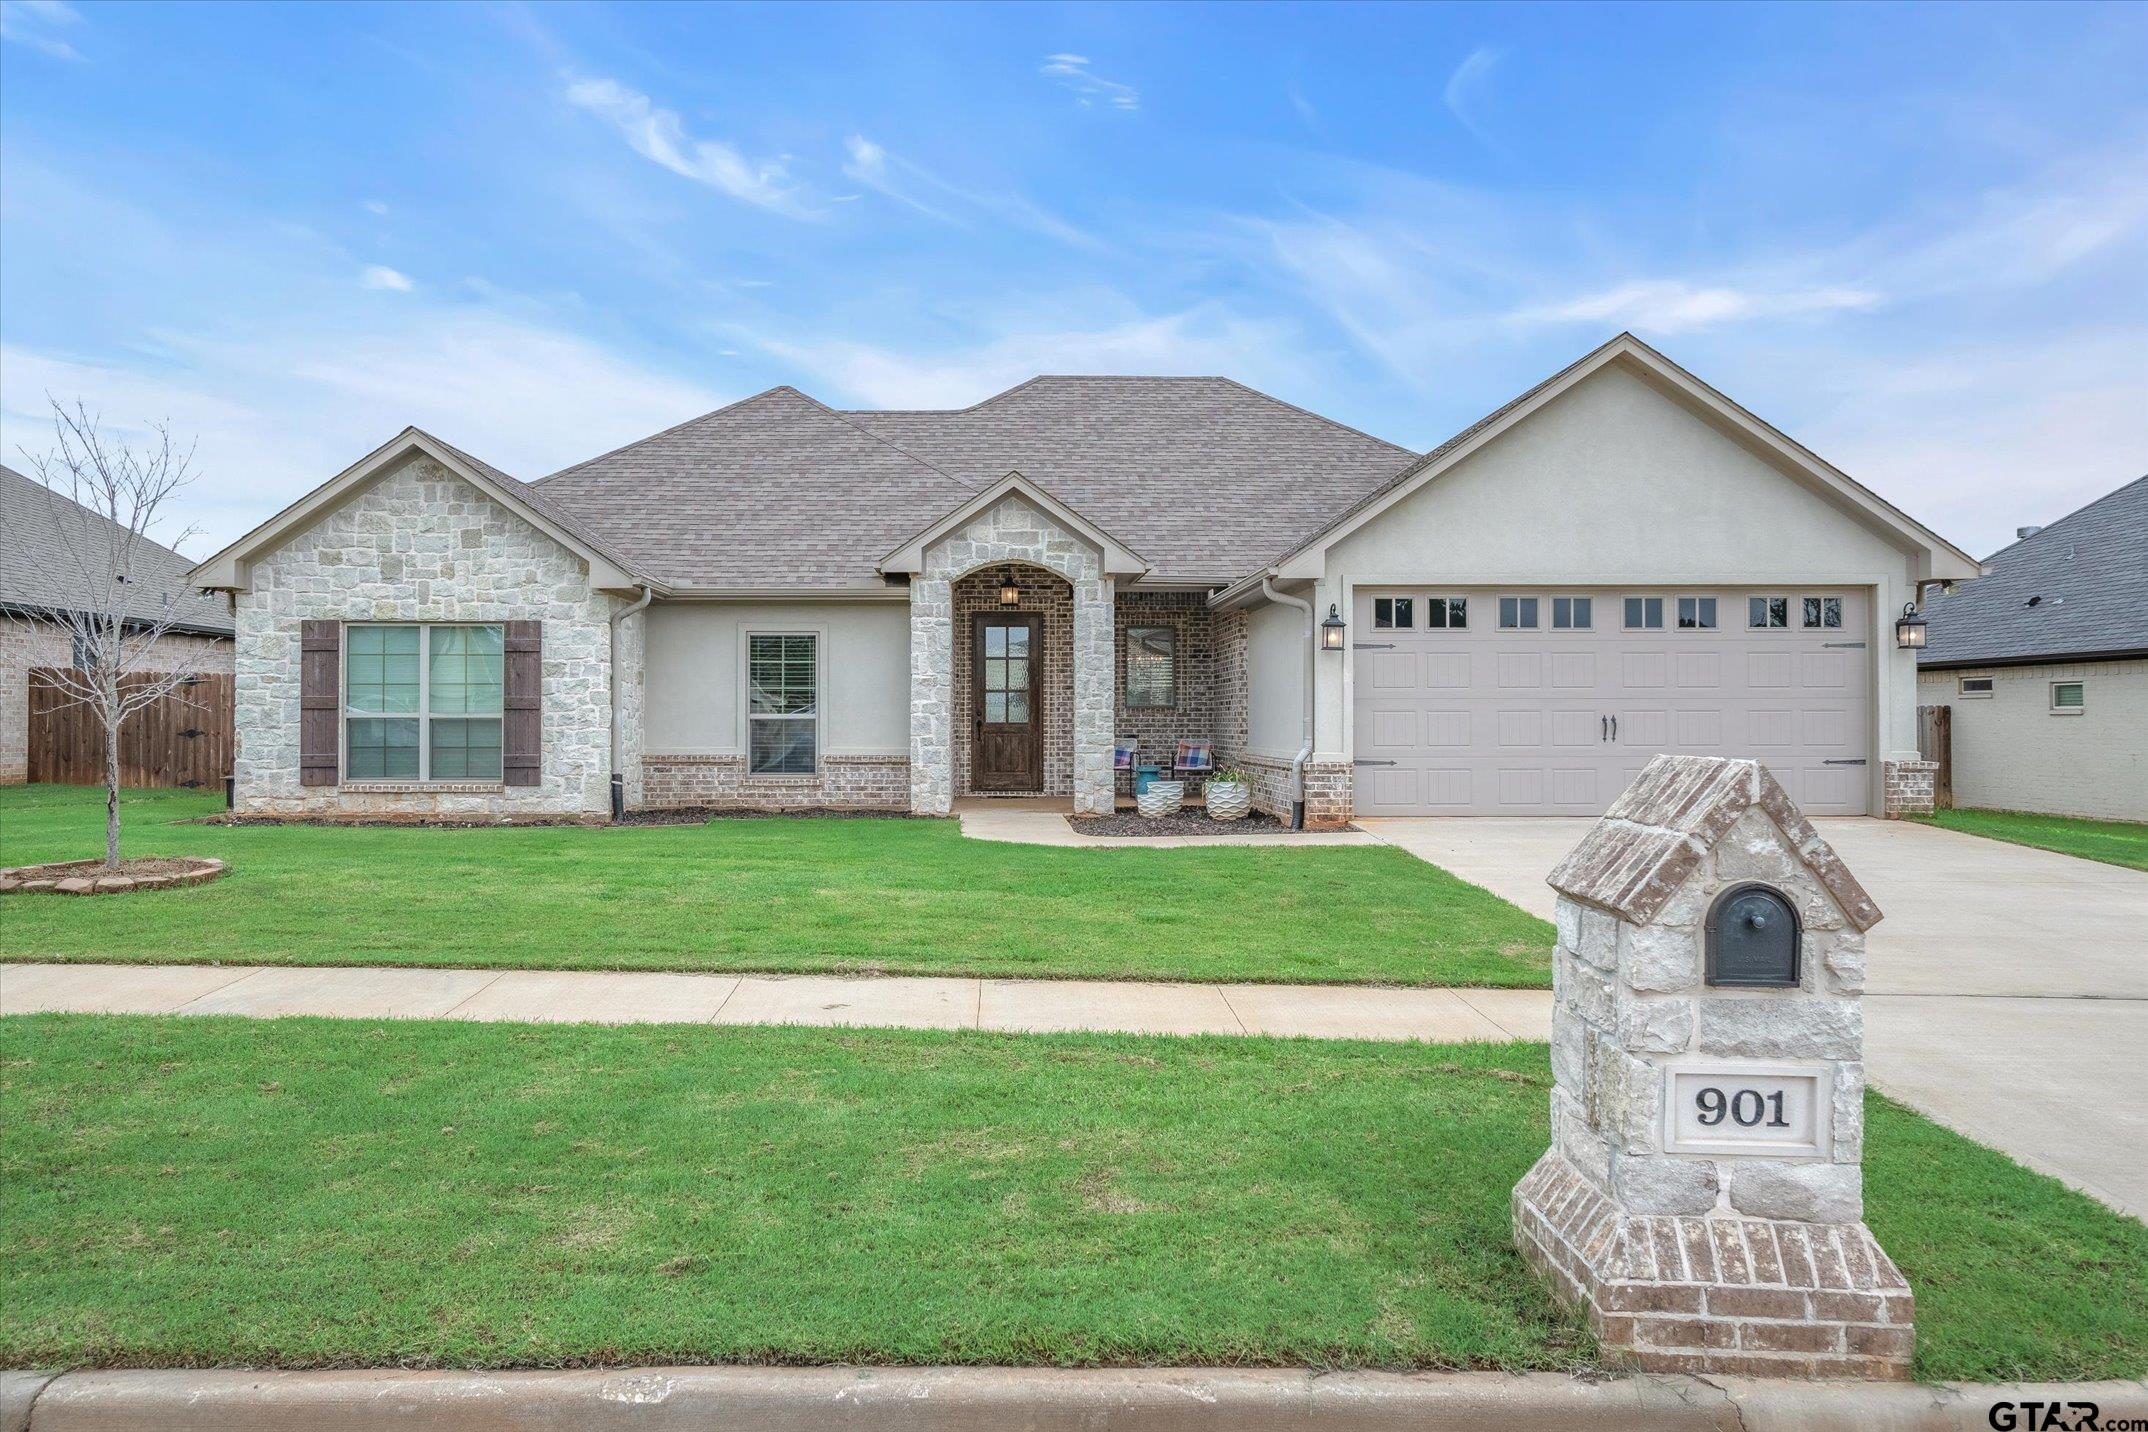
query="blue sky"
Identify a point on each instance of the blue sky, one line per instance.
(1915, 238)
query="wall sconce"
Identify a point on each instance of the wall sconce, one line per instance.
(1331, 630)
(1009, 593)
(1909, 628)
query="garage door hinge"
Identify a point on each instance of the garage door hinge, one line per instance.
(1372, 763)
(1852, 645)
(1372, 646)
(1843, 761)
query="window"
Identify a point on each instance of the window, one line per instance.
(1152, 667)
(1823, 613)
(1973, 686)
(783, 714)
(1394, 613)
(422, 703)
(1446, 613)
(1696, 613)
(1572, 613)
(2068, 698)
(1767, 612)
(1644, 613)
(1517, 613)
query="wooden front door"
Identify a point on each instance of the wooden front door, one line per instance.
(1006, 719)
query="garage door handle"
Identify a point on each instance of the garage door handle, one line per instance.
(1603, 728)
(1614, 728)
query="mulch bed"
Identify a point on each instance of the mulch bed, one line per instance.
(1134, 826)
(89, 877)
(702, 815)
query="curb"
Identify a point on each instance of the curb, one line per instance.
(785, 1399)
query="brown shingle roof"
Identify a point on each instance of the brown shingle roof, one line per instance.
(41, 533)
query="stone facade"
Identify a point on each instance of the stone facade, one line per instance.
(1911, 788)
(875, 783)
(1744, 1259)
(1051, 599)
(1011, 532)
(421, 545)
(1192, 714)
(25, 643)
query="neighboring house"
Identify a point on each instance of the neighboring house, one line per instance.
(780, 604)
(40, 581)
(2045, 664)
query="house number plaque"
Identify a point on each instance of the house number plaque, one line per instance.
(1772, 1110)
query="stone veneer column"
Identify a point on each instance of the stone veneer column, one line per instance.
(1698, 1225)
(1095, 697)
(932, 696)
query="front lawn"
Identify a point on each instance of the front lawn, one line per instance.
(309, 1193)
(2115, 842)
(828, 895)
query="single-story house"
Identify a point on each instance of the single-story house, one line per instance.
(45, 540)
(2044, 666)
(783, 605)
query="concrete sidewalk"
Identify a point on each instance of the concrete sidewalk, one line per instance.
(890, 1002)
(974, 1399)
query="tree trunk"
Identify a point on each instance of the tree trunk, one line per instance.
(111, 796)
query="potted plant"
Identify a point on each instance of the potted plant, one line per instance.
(1230, 795)
(1161, 798)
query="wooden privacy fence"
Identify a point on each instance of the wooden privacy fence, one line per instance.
(1935, 742)
(182, 739)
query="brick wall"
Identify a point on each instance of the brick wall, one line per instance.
(1050, 597)
(1910, 788)
(841, 783)
(2012, 753)
(1192, 717)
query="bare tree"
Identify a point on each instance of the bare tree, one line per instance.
(115, 492)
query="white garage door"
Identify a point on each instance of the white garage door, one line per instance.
(1543, 702)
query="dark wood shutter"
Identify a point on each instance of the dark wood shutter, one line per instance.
(522, 729)
(320, 697)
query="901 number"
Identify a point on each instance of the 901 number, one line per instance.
(1747, 1108)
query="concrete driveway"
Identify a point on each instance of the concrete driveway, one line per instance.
(2008, 989)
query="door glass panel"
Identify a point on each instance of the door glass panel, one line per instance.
(996, 675)
(1017, 640)
(1017, 707)
(995, 706)
(995, 641)
(1017, 674)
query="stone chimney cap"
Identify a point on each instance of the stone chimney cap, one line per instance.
(1634, 859)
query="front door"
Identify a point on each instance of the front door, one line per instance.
(1007, 750)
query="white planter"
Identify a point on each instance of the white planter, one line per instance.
(1162, 798)
(1228, 800)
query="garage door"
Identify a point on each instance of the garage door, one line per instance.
(1542, 702)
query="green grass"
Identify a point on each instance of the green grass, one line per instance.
(2114, 842)
(308, 1193)
(897, 896)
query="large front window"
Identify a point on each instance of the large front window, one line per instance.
(783, 720)
(422, 703)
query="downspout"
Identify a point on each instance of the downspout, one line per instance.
(648, 595)
(1305, 748)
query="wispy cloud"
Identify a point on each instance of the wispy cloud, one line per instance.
(906, 182)
(376, 207)
(1467, 87)
(41, 25)
(380, 276)
(1675, 306)
(658, 135)
(1090, 89)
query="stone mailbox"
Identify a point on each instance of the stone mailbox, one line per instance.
(1702, 1201)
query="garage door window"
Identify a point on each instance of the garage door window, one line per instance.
(1446, 613)
(1644, 613)
(1517, 614)
(1394, 613)
(1823, 613)
(1572, 613)
(1767, 613)
(1696, 613)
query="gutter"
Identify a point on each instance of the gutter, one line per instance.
(1312, 674)
(648, 595)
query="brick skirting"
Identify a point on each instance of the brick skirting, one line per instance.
(842, 783)
(1912, 788)
(1755, 1296)
(1328, 789)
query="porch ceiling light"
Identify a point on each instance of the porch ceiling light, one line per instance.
(1909, 628)
(1331, 630)
(1010, 594)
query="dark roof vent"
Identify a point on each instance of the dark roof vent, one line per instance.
(2038, 601)
(2022, 534)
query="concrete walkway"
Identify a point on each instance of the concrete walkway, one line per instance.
(2009, 985)
(891, 1002)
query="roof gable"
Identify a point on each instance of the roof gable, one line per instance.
(1118, 559)
(2077, 588)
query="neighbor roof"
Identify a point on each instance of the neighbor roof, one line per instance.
(47, 538)
(2077, 588)
(1204, 475)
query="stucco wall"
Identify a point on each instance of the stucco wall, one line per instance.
(1275, 681)
(24, 644)
(696, 654)
(1614, 483)
(421, 545)
(2011, 753)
